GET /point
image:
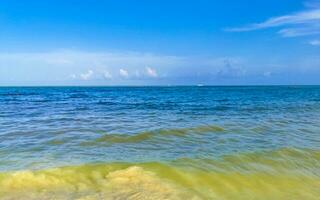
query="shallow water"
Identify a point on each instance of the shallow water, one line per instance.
(160, 142)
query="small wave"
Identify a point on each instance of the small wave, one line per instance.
(78, 96)
(142, 136)
(8, 94)
(106, 103)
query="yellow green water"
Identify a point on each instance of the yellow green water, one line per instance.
(283, 174)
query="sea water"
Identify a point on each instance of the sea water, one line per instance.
(160, 142)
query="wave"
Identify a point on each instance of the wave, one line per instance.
(298, 178)
(142, 136)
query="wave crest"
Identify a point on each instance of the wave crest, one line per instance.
(159, 134)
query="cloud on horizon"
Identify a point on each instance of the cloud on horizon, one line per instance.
(123, 73)
(86, 76)
(80, 65)
(107, 75)
(113, 68)
(151, 72)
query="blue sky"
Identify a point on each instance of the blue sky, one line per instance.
(217, 42)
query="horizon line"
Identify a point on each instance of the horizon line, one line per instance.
(168, 85)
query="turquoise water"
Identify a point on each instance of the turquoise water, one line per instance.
(207, 142)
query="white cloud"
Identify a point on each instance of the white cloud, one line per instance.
(107, 75)
(151, 72)
(297, 24)
(299, 31)
(86, 76)
(108, 65)
(315, 42)
(72, 65)
(310, 16)
(123, 73)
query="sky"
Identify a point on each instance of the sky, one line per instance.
(167, 42)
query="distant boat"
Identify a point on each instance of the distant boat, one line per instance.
(200, 85)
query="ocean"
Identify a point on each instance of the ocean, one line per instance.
(188, 142)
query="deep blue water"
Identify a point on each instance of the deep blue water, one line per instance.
(43, 127)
